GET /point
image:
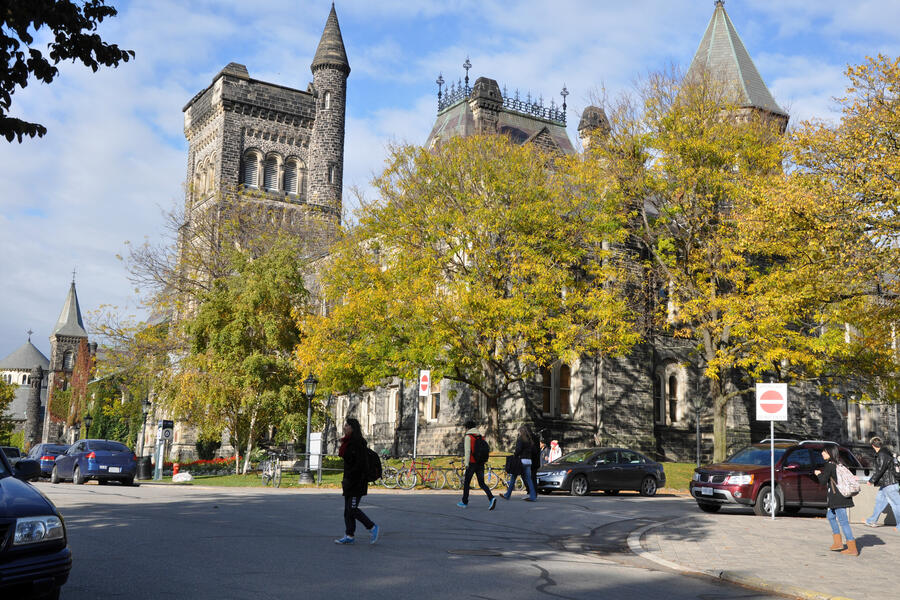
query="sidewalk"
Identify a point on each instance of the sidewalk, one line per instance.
(789, 555)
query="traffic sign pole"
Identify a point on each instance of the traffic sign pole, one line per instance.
(772, 465)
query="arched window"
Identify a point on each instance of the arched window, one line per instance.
(659, 407)
(24, 379)
(68, 361)
(327, 100)
(673, 398)
(331, 174)
(546, 390)
(270, 174)
(251, 170)
(292, 177)
(210, 177)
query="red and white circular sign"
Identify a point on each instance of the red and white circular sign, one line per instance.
(424, 383)
(771, 402)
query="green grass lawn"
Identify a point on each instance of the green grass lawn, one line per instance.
(678, 475)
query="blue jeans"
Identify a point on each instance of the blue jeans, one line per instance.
(839, 515)
(526, 477)
(889, 494)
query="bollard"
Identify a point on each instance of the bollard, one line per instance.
(175, 468)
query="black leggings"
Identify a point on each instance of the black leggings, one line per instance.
(352, 514)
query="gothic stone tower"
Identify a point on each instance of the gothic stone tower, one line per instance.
(274, 152)
(64, 343)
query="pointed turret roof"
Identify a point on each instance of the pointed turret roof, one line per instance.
(724, 55)
(70, 322)
(330, 52)
(25, 357)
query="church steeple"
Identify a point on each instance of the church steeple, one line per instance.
(69, 322)
(330, 52)
(724, 56)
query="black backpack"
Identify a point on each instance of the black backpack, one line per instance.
(373, 466)
(481, 450)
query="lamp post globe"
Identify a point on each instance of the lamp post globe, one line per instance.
(309, 387)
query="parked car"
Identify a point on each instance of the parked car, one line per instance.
(103, 460)
(606, 469)
(46, 455)
(34, 555)
(745, 478)
(12, 453)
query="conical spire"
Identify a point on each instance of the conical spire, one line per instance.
(723, 54)
(70, 323)
(330, 52)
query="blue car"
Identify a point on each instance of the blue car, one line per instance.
(103, 460)
(46, 455)
(34, 555)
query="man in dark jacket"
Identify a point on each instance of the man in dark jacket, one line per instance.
(473, 467)
(885, 478)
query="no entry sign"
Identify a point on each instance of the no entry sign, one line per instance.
(771, 402)
(425, 383)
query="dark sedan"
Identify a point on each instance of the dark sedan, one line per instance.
(103, 460)
(606, 469)
(46, 455)
(34, 556)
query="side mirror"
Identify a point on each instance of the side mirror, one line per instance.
(27, 470)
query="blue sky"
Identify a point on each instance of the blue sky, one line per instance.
(115, 156)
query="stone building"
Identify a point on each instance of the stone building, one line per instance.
(650, 399)
(19, 369)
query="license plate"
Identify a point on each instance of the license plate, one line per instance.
(706, 491)
(115, 469)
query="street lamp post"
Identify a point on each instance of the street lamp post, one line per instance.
(309, 386)
(88, 419)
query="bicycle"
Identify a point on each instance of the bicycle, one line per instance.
(270, 469)
(421, 471)
(454, 475)
(389, 474)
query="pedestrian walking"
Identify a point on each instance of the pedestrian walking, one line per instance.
(354, 482)
(545, 453)
(523, 454)
(555, 450)
(837, 502)
(473, 467)
(885, 478)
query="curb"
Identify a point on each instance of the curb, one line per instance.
(634, 544)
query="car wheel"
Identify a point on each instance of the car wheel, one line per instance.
(709, 507)
(648, 486)
(611, 492)
(54, 476)
(580, 486)
(762, 506)
(77, 479)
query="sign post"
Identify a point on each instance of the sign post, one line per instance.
(163, 437)
(771, 406)
(424, 391)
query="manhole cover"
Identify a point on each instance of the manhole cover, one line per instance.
(474, 552)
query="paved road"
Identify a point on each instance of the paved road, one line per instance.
(214, 543)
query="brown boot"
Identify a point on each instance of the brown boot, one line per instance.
(838, 544)
(851, 548)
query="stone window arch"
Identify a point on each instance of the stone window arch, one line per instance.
(294, 176)
(672, 394)
(556, 384)
(24, 379)
(68, 361)
(250, 169)
(669, 401)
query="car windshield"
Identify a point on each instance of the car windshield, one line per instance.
(755, 456)
(108, 446)
(579, 456)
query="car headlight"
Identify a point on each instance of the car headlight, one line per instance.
(31, 530)
(696, 476)
(739, 479)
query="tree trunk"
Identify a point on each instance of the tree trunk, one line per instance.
(250, 441)
(720, 414)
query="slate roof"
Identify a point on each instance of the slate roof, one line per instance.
(70, 322)
(724, 55)
(331, 50)
(25, 356)
(458, 120)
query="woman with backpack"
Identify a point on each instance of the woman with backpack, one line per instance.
(354, 482)
(837, 502)
(523, 454)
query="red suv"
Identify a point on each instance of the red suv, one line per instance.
(745, 478)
